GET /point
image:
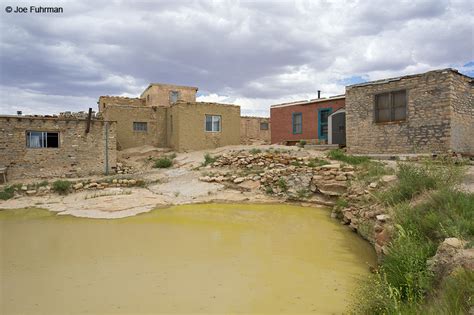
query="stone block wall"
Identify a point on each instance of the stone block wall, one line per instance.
(187, 129)
(250, 130)
(126, 115)
(78, 154)
(427, 127)
(462, 114)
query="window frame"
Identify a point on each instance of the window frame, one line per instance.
(391, 107)
(44, 134)
(293, 115)
(178, 95)
(137, 123)
(264, 123)
(321, 124)
(212, 123)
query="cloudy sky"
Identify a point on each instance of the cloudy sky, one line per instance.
(250, 53)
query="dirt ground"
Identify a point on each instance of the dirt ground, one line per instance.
(177, 185)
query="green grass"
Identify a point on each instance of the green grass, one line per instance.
(315, 162)
(339, 155)
(164, 162)
(404, 284)
(371, 171)
(208, 159)
(414, 179)
(62, 187)
(255, 151)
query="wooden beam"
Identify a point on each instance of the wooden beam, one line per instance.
(89, 118)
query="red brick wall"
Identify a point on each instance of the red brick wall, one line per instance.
(281, 118)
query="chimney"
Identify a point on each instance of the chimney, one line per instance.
(319, 94)
(19, 112)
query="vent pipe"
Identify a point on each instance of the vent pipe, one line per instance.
(319, 94)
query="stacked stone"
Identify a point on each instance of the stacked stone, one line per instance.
(283, 175)
(121, 168)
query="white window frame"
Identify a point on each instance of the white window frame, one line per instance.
(214, 118)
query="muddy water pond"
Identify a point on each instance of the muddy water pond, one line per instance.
(213, 258)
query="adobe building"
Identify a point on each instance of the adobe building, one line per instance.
(430, 112)
(168, 116)
(304, 120)
(255, 130)
(50, 146)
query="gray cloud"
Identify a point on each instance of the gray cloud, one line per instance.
(253, 53)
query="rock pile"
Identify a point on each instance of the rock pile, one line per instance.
(121, 168)
(283, 175)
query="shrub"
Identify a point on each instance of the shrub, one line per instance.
(208, 159)
(163, 162)
(7, 193)
(269, 190)
(62, 187)
(338, 154)
(282, 184)
(302, 143)
(255, 151)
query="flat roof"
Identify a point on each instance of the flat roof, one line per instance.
(311, 101)
(170, 86)
(382, 81)
(52, 117)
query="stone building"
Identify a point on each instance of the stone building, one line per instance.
(303, 120)
(168, 116)
(254, 130)
(51, 146)
(423, 113)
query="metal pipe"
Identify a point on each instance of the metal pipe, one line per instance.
(106, 148)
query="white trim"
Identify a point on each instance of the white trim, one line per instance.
(340, 110)
(309, 101)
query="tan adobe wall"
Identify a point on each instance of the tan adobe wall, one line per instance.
(427, 127)
(462, 114)
(250, 130)
(79, 154)
(189, 126)
(159, 94)
(125, 116)
(119, 100)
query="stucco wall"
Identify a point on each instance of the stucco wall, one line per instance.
(79, 154)
(189, 126)
(159, 94)
(119, 100)
(250, 130)
(462, 114)
(282, 124)
(427, 127)
(154, 116)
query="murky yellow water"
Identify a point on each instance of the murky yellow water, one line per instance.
(188, 259)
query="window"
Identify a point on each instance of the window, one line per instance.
(391, 106)
(140, 126)
(148, 98)
(297, 123)
(263, 126)
(174, 96)
(42, 139)
(213, 123)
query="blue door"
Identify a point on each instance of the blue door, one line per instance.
(323, 115)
